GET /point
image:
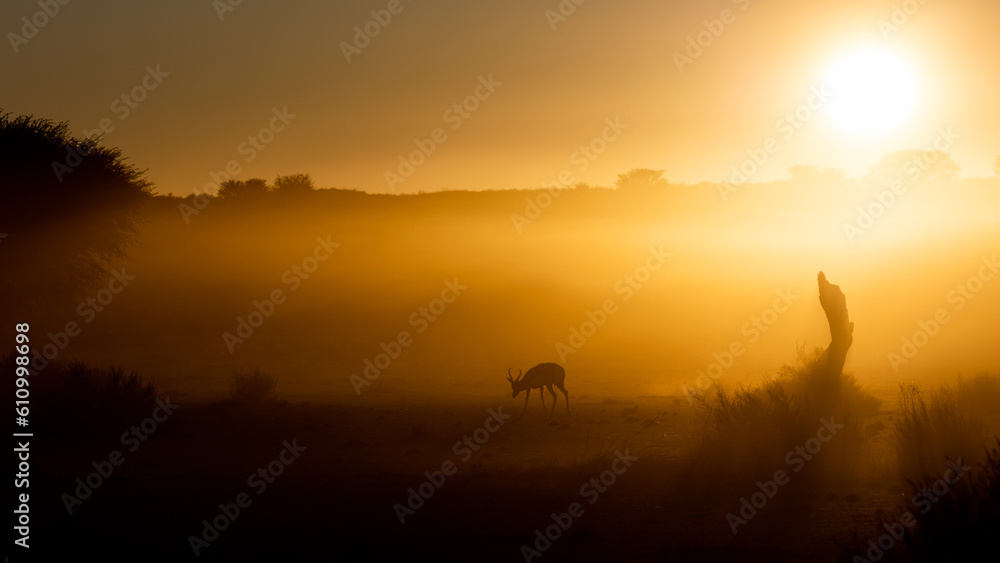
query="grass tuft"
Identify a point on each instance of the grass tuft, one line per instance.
(750, 432)
(252, 385)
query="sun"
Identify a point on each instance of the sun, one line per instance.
(874, 92)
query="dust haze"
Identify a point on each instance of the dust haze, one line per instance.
(399, 281)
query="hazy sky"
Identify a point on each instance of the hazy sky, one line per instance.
(225, 76)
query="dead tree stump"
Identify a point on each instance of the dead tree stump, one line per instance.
(830, 366)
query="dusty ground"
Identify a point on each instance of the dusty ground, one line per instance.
(335, 501)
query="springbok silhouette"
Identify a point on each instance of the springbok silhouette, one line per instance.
(539, 377)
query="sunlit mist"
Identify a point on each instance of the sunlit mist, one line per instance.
(556, 281)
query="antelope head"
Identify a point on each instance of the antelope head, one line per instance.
(515, 383)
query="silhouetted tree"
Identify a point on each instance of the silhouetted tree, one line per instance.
(641, 178)
(230, 189)
(243, 190)
(68, 208)
(803, 172)
(293, 184)
(914, 167)
(256, 186)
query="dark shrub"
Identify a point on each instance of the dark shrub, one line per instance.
(252, 385)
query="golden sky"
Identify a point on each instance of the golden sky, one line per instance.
(216, 75)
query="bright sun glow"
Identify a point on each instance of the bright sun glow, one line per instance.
(874, 92)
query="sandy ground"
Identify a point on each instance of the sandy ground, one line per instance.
(336, 498)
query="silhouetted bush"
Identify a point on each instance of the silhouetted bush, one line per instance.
(949, 425)
(108, 387)
(957, 522)
(252, 385)
(749, 432)
(294, 184)
(251, 190)
(980, 395)
(964, 524)
(69, 208)
(73, 399)
(641, 179)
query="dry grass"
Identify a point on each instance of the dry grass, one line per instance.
(959, 524)
(252, 385)
(953, 422)
(749, 432)
(95, 399)
(932, 432)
